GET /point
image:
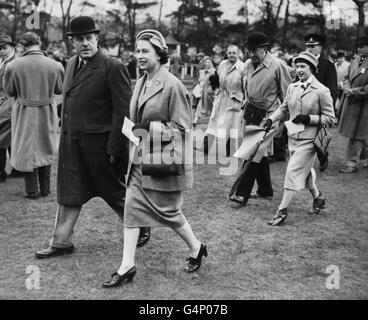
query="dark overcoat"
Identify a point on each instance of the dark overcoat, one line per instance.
(327, 75)
(354, 115)
(95, 103)
(5, 108)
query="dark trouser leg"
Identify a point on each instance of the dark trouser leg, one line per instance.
(280, 143)
(44, 180)
(2, 160)
(66, 219)
(246, 184)
(263, 178)
(31, 181)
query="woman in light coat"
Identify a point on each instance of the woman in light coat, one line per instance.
(160, 101)
(227, 113)
(309, 104)
(205, 102)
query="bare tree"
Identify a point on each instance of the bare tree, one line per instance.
(66, 6)
(360, 7)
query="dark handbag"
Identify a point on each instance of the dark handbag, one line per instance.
(253, 114)
(321, 142)
(155, 162)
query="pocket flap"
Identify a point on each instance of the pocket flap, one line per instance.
(97, 127)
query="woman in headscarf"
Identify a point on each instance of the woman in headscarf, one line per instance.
(160, 101)
(205, 103)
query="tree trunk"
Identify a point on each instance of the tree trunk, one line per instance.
(285, 42)
(361, 13)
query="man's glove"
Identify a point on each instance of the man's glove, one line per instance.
(143, 126)
(302, 118)
(267, 125)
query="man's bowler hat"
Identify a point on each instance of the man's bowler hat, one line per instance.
(5, 39)
(82, 25)
(314, 39)
(256, 40)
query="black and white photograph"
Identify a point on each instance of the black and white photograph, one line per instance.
(183, 155)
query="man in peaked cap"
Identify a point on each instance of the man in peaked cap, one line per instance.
(326, 71)
(93, 153)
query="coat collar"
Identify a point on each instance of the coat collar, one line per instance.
(85, 73)
(34, 52)
(236, 65)
(267, 62)
(356, 70)
(157, 85)
(312, 86)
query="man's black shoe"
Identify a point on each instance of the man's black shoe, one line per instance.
(144, 236)
(50, 252)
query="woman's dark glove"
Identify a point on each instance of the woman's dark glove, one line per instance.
(267, 125)
(119, 165)
(302, 118)
(142, 125)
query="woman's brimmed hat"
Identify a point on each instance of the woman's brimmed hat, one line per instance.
(156, 38)
(307, 57)
(256, 40)
(5, 39)
(82, 25)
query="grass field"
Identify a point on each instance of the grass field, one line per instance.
(247, 259)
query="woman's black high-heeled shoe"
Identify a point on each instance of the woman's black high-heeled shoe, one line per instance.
(279, 218)
(195, 263)
(117, 279)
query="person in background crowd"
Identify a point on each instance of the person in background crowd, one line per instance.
(175, 60)
(93, 153)
(129, 62)
(7, 55)
(326, 72)
(33, 80)
(303, 103)
(354, 113)
(226, 116)
(266, 80)
(159, 98)
(342, 69)
(205, 102)
(197, 76)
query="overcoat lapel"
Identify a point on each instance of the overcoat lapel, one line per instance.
(357, 70)
(135, 96)
(157, 86)
(83, 74)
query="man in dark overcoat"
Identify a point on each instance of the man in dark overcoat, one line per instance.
(354, 115)
(326, 71)
(93, 153)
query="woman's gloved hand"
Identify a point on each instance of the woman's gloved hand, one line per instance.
(267, 125)
(302, 118)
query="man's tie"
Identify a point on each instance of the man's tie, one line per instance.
(362, 59)
(82, 63)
